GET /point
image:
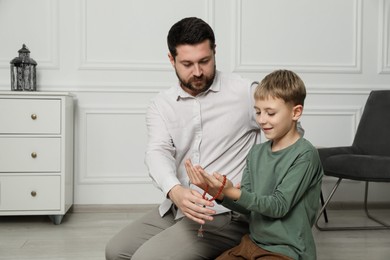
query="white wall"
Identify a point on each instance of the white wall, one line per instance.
(112, 55)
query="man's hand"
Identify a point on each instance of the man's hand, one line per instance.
(190, 202)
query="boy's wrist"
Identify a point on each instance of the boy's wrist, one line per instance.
(232, 193)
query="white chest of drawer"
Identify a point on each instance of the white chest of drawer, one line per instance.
(36, 154)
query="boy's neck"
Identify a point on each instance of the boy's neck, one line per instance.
(289, 139)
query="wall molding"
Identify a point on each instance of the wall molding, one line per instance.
(100, 87)
(156, 87)
(52, 63)
(86, 63)
(384, 44)
(356, 67)
(84, 177)
(355, 112)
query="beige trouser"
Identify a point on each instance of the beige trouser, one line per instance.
(152, 237)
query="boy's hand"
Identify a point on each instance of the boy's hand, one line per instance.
(216, 180)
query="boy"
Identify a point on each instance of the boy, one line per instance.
(281, 183)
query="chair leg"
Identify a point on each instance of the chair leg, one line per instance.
(383, 225)
(322, 204)
(325, 204)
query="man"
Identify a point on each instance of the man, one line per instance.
(207, 118)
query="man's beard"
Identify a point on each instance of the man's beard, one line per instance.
(193, 84)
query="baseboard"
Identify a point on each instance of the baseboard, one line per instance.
(79, 208)
(83, 208)
(357, 205)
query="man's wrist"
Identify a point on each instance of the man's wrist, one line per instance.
(173, 190)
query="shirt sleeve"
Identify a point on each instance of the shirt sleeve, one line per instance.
(301, 177)
(232, 204)
(160, 151)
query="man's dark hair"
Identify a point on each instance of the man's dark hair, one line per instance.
(190, 30)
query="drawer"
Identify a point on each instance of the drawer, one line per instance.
(30, 154)
(30, 116)
(30, 193)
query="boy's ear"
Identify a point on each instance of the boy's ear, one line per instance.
(297, 112)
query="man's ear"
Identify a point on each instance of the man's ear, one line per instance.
(171, 59)
(297, 112)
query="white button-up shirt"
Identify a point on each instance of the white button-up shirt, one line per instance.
(215, 130)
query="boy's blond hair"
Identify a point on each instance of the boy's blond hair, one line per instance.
(283, 84)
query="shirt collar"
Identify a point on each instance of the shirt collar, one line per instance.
(215, 87)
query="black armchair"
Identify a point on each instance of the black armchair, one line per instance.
(368, 159)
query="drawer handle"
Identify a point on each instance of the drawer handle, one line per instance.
(34, 155)
(33, 193)
(34, 116)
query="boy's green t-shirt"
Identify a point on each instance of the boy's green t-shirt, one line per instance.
(281, 192)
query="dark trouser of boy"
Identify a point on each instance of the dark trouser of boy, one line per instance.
(247, 249)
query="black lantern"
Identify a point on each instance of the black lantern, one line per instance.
(23, 71)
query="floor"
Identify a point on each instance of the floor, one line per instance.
(83, 234)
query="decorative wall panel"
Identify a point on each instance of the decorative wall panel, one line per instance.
(139, 25)
(384, 37)
(323, 37)
(34, 23)
(113, 145)
(334, 126)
